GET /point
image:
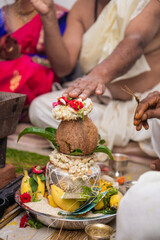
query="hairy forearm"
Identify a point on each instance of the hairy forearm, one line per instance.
(121, 59)
(54, 46)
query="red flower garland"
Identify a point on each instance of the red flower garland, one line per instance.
(73, 103)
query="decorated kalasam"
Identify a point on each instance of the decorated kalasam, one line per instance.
(71, 183)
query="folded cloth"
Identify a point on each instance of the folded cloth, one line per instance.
(107, 32)
(138, 215)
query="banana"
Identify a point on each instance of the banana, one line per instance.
(25, 186)
(66, 204)
(115, 199)
(100, 205)
(52, 202)
(41, 187)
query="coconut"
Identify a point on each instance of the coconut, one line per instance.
(77, 134)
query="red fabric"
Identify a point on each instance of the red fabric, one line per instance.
(22, 75)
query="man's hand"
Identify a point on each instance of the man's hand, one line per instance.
(148, 108)
(85, 86)
(42, 6)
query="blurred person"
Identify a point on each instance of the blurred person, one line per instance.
(23, 64)
(113, 50)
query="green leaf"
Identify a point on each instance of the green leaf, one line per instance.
(83, 116)
(34, 224)
(105, 211)
(86, 190)
(76, 152)
(35, 177)
(51, 130)
(33, 184)
(42, 177)
(102, 141)
(38, 131)
(33, 198)
(104, 149)
(48, 134)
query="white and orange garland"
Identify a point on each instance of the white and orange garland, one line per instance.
(71, 109)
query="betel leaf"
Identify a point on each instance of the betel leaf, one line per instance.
(104, 149)
(76, 152)
(33, 184)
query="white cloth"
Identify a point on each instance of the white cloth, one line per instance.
(113, 121)
(138, 216)
(6, 2)
(105, 34)
(155, 137)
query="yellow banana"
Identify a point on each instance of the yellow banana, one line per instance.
(41, 187)
(66, 204)
(25, 186)
(52, 202)
(115, 199)
(100, 205)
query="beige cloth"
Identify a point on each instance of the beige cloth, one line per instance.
(105, 34)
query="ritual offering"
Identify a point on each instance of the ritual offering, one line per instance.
(71, 187)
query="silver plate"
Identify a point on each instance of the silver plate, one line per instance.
(70, 223)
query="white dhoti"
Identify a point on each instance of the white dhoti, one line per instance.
(138, 216)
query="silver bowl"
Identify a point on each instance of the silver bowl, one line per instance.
(70, 223)
(119, 164)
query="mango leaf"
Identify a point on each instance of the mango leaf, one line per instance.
(51, 130)
(104, 149)
(76, 152)
(37, 131)
(50, 135)
(102, 141)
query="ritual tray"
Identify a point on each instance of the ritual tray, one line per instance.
(69, 223)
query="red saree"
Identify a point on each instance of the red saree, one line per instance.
(22, 75)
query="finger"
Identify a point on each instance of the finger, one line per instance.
(87, 92)
(145, 125)
(141, 108)
(146, 104)
(100, 89)
(155, 165)
(136, 122)
(139, 126)
(67, 91)
(151, 113)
